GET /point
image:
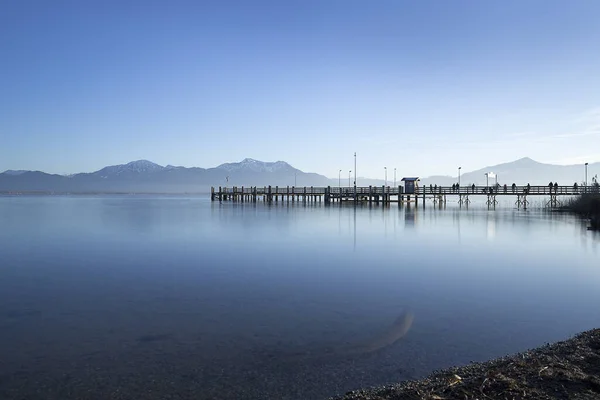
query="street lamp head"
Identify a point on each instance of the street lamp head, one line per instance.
(586, 163)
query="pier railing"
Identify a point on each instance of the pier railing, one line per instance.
(396, 190)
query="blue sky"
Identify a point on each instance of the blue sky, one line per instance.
(423, 86)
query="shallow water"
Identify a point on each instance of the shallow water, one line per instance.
(175, 298)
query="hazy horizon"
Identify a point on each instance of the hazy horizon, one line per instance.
(423, 87)
(345, 173)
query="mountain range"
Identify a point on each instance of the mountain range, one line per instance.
(147, 177)
(522, 172)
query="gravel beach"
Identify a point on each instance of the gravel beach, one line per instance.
(564, 370)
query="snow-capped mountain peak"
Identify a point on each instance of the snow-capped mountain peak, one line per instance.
(134, 167)
(14, 173)
(250, 164)
(143, 166)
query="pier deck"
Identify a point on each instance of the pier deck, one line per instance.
(393, 194)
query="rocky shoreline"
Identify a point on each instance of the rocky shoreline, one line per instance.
(564, 370)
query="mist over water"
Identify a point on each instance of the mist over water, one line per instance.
(155, 296)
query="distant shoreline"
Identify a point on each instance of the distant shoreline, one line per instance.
(566, 369)
(50, 193)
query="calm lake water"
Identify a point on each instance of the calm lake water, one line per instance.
(180, 298)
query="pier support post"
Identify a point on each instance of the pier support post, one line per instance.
(553, 202)
(399, 195)
(522, 201)
(463, 199)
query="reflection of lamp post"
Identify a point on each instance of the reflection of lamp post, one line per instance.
(459, 176)
(586, 164)
(340, 178)
(349, 177)
(385, 168)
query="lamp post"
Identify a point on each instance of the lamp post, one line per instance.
(487, 182)
(394, 177)
(340, 178)
(354, 168)
(459, 176)
(385, 169)
(586, 164)
(349, 172)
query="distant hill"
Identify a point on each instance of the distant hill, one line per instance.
(522, 172)
(143, 176)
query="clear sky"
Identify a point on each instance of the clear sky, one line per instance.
(423, 86)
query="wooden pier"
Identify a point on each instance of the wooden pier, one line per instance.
(393, 194)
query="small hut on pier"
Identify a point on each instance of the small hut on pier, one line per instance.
(410, 184)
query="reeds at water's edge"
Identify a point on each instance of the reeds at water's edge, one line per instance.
(588, 206)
